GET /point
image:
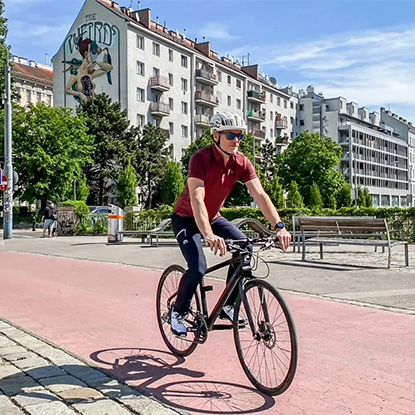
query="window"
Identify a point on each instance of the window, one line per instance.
(184, 131)
(285, 103)
(278, 101)
(184, 61)
(229, 79)
(171, 55)
(302, 122)
(156, 49)
(141, 120)
(238, 103)
(140, 68)
(29, 95)
(271, 116)
(171, 128)
(271, 97)
(292, 105)
(39, 97)
(229, 101)
(271, 132)
(301, 107)
(140, 42)
(238, 83)
(156, 72)
(184, 107)
(140, 95)
(50, 100)
(170, 79)
(184, 85)
(219, 76)
(171, 104)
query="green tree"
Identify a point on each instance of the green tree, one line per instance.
(83, 189)
(316, 201)
(149, 160)
(51, 148)
(333, 202)
(344, 196)
(172, 184)
(127, 186)
(276, 193)
(113, 143)
(294, 198)
(310, 158)
(364, 197)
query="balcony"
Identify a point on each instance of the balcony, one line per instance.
(202, 120)
(159, 109)
(257, 116)
(282, 141)
(206, 77)
(258, 134)
(206, 99)
(159, 83)
(256, 96)
(281, 123)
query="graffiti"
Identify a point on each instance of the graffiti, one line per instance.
(66, 221)
(91, 42)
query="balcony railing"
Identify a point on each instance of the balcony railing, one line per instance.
(202, 120)
(256, 115)
(256, 96)
(159, 83)
(281, 123)
(204, 98)
(258, 134)
(160, 109)
(207, 77)
(282, 141)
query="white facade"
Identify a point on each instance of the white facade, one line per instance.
(161, 77)
(378, 153)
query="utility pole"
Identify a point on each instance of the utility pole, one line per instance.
(8, 164)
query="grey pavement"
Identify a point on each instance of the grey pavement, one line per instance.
(37, 378)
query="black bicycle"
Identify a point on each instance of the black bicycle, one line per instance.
(263, 328)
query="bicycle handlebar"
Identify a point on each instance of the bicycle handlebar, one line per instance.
(267, 242)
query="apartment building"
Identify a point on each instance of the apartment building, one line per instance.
(378, 150)
(161, 77)
(32, 81)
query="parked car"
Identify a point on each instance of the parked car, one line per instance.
(100, 210)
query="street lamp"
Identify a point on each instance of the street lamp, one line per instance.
(8, 164)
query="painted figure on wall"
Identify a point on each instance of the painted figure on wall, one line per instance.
(95, 62)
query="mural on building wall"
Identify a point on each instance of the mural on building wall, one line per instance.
(88, 55)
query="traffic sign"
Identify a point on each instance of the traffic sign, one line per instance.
(3, 181)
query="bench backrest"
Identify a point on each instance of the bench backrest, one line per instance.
(254, 224)
(162, 226)
(338, 226)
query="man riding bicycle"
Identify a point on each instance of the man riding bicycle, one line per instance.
(213, 174)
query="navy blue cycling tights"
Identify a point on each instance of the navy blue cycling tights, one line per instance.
(190, 241)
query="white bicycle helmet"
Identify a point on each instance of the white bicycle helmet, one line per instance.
(227, 121)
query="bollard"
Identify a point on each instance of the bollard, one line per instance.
(115, 224)
(33, 223)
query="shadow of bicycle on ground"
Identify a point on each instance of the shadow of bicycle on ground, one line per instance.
(146, 369)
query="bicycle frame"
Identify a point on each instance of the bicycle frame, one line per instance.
(243, 260)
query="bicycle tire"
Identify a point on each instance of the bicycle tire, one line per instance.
(167, 287)
(275, 336)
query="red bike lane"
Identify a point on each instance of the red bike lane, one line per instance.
(352, 360)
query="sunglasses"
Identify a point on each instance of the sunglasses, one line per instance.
(232, 136)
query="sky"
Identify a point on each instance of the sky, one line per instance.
(363, 50)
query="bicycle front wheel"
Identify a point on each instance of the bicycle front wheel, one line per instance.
(268, 350)
(166, 297)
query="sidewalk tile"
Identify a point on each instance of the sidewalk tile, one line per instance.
(7, 407)
(29, 362)
(45, 371)
(80, 395)
(16, 383)
(34, 396)
(52, 408)
(62, 383)
(104, 406)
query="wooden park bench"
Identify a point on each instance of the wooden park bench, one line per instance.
(152, 236)
(254, 227)
(367, 231)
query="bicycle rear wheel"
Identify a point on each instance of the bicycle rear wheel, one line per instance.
(166, 296)
(269, 355)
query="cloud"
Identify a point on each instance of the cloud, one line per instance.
(38, 32)
(372, 68)
(215, 30)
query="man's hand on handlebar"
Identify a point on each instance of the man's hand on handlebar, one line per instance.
(284, 239)
(216, 243)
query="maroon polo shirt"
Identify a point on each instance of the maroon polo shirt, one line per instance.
(208, 165)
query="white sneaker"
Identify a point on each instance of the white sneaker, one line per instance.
(227, 312)
(177, 324)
